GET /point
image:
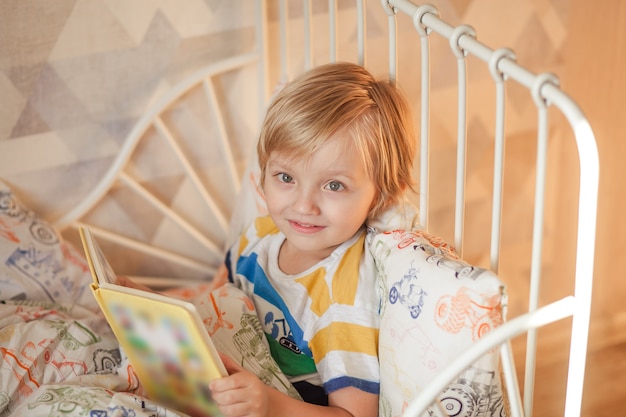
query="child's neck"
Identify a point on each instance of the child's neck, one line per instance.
(293, 261)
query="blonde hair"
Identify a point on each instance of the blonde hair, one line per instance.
(345, 97)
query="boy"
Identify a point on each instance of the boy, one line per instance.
(336, 149)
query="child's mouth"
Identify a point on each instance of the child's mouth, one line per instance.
(304, 227)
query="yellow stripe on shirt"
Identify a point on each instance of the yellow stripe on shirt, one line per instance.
(344, 336)
(317, 289)
(346, 278)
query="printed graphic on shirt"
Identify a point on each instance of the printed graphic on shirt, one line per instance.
(285, 337)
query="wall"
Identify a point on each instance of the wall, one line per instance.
(76, 74)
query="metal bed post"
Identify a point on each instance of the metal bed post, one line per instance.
(262, 49)
(393, 40)
(498, 163)
(360, 13)
(424, 109)
(308, 34)
(461, 153)
(332, 23)
(284, 42)
(506, 352)
(538, 224)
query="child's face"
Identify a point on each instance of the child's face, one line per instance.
(318, 202)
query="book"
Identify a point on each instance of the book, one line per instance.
(164, 338)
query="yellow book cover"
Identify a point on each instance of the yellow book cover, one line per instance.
(163, 337)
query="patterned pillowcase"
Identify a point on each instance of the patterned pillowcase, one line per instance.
(35, 262)
(434, 306)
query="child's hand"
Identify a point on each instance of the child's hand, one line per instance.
(241, 393)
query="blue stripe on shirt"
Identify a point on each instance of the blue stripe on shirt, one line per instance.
(248, 267)
(347, 381)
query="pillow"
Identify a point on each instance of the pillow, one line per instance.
(36, 264)
(434, 306)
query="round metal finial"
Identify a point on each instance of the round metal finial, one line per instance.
(540, 81)
(495, 59)
(419, 15)
(462, 30)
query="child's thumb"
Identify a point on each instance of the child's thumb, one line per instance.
(229, 363)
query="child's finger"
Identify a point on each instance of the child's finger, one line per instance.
(229, 363)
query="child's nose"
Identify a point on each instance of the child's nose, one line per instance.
(305, 202)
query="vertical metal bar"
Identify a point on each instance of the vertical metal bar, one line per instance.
(284, 41)
(393, 35)
(496, 206)
(537, 241)
(535, 274)
(424, 33)
(459, 210)
(424, 131)
(332, 30)
(361, 27)
(506, 354)
(498, 163)
(262, 50)
(308, 34)
(510, 379)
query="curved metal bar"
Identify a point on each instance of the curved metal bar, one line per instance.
(551, 313)
(100, 190)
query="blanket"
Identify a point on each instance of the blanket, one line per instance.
(58, 353)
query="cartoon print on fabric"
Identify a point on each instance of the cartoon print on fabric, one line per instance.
(73, 334)
(67, 400)
(107, 360)
(249, 343)
(464, 309)
(409, 293)
(39, 261)
(474, 394)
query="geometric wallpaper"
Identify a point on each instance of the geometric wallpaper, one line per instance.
(75, 75)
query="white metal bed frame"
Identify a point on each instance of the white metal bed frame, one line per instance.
(503, 67)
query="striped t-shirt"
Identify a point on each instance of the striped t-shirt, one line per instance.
(322, 324)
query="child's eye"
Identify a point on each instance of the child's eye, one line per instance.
(282, 177)
(335, 186)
